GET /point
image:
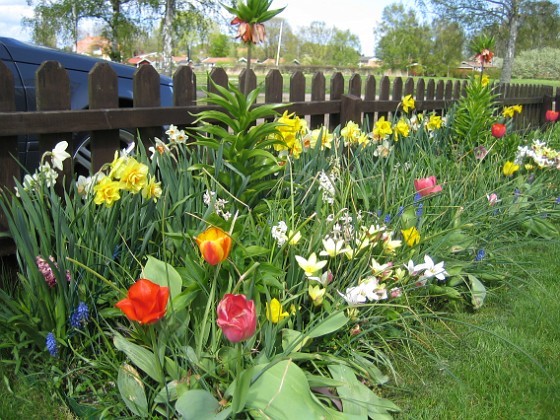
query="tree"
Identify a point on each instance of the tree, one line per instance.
(448, 42)
(472, 13)
(403, 41)
(344, 48)
(220, 45)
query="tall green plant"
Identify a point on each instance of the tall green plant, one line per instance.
(239, 149)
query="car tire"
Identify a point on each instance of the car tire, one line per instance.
(82, 155)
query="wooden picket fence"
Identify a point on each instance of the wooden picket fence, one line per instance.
(345, 100)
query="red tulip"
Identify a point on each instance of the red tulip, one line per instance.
(237, 317)
(214, 245)
(426, 186)
(498, 130)
(146, 302)
(551, 115)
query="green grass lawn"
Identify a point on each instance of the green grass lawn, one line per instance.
(500, 363)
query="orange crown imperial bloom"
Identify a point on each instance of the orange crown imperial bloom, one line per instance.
(214, 245)
(146, 302)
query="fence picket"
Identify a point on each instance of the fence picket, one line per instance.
(318, 93)
(103, 93)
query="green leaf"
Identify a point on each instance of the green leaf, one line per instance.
(358, 399)
(163, 274)
(142, 358)
(329, 325)
(282, 392)
(198, 404)
(478, 291)
(132, 390)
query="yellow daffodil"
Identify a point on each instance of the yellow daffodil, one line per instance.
(134, 176)
(351, 131)
(152, 190)
(107, 192)
(382, 129)
(411, 236)
(485, 80)
(326, 138)
(510, 168)
(509, 111)
(118, 164)
(408, 103)
(434, 123)
(311, 265)
(274, 311)
(402, 129)
(316, 293)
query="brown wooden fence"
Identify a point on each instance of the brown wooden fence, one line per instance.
(344, 100)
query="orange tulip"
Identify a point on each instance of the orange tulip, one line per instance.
(214, 245)
(146, 302)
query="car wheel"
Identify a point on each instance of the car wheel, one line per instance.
(82, 155)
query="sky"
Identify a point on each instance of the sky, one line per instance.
(358, 16)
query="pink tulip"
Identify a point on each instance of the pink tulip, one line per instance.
(427, 186)
(237, 317)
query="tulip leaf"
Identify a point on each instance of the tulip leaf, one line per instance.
(478, 291)
(357, 398)
(198, 404)
(282, 392)
(132, 391)
(164, 274)
(142, 358)
(329, 325)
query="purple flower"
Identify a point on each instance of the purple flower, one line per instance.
(420, 210)
(387, 218)
(51, 345)
(46, 270)
(480, 152)
(558, 200)
(80, 316)
(401, 211)
(417, 197)
(480, 255)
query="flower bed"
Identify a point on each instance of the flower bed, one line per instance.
(261, 269)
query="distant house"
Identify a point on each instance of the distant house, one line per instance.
(473, 65)
(94, 46)
(366, 61)
(210, 62)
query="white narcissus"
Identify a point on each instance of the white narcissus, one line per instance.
(59, 154)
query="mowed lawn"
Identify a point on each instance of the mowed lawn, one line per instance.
(499, 363)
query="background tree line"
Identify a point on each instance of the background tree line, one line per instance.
(430, 39)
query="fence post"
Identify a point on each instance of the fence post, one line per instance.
(318, 93)
(337, 89)
(297, 87)
(146, 93)
(103, 93)
(252, 79)
(350, 109)
(9, 166)
(53, 94)
(547, 102)
(184, 86)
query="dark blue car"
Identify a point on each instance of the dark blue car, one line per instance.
(24, 59)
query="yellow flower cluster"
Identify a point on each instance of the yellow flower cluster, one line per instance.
(510, 111)
(125, 173)
(292, 129)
